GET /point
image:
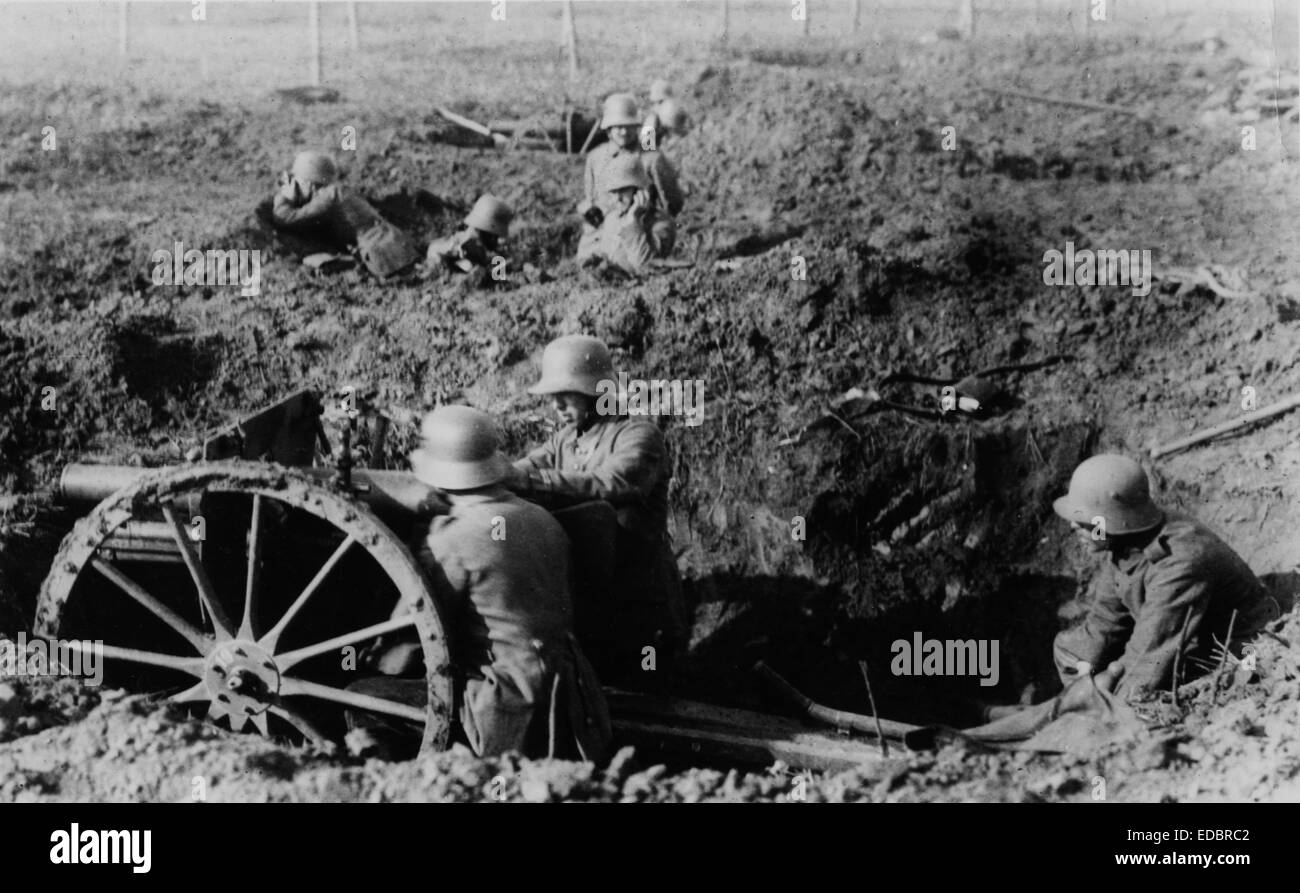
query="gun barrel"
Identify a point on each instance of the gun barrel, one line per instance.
(387, 492)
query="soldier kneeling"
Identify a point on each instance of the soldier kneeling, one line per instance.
(499, 567)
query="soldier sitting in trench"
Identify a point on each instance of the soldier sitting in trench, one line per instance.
(500, 569)
(622, 237)
(1158, 573)
(662, 198)
(312, 203)
(623, 461)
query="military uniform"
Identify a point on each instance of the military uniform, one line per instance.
(461, 251)
(331, 214)
(1141, 598)
(500, 567)
(623, 461)
(623, 240)
(666, 199)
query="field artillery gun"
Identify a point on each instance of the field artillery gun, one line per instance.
(258, 585)
(250, 581)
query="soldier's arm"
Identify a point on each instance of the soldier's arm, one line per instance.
(1148, 659)
(1104, 630)
(665, 178)
(542, 457)
(448, 577)
(629, 475)
(316, 210)
(441, 250)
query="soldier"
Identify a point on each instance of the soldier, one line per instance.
(622, 236)
(474, 246)
(500, 570)
(667, 120)
(623, 461)
(1158, 572)
(312, 203)
(663, 198)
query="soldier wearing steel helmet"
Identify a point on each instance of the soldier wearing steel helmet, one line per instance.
(500, 570)
(623, 461)
(667, 120)
(474, 246)
(624, 239)
(313, 203)
(663, 197)
(1158, 572)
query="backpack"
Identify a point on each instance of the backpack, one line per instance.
(386, 250)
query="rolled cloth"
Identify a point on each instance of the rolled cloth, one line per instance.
(1080, 720)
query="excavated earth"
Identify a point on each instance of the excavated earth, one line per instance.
(920, 258)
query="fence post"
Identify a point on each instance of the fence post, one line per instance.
(857, 15)
(354, 37)
(313, 26)
(726, 20)
(571, 40)
(966, 19)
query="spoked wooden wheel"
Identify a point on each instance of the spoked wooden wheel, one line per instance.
(250, 588)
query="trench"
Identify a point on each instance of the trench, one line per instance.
(944, 534)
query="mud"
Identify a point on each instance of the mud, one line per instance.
(918, 258)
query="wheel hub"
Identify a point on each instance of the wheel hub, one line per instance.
(242, 677)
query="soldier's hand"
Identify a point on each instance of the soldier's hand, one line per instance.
(640, 200)
(290, 191)
(1108, 678)
(283, 179)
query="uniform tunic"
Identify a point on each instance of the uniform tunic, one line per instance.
(500, 567)
(623, 461)
(666, 199)
(1140, 600)
(331, 214)
(623, 239)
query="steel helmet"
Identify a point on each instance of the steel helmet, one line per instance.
(490, 214)
(315, 167)
(460, 450)
(626, 172)
(671, 115)
(620, 110)
(660, 90)
(1114, 488)
(574, 363)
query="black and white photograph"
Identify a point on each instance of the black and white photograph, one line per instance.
(728, 401)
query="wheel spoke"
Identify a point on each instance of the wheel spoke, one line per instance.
(207, 593)
(191, 633)
(254, 553)
(197, 692)
(289, 658)
(271, 638)
(259, 721)
(350, 698)
(299, 722)
(191, 665)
